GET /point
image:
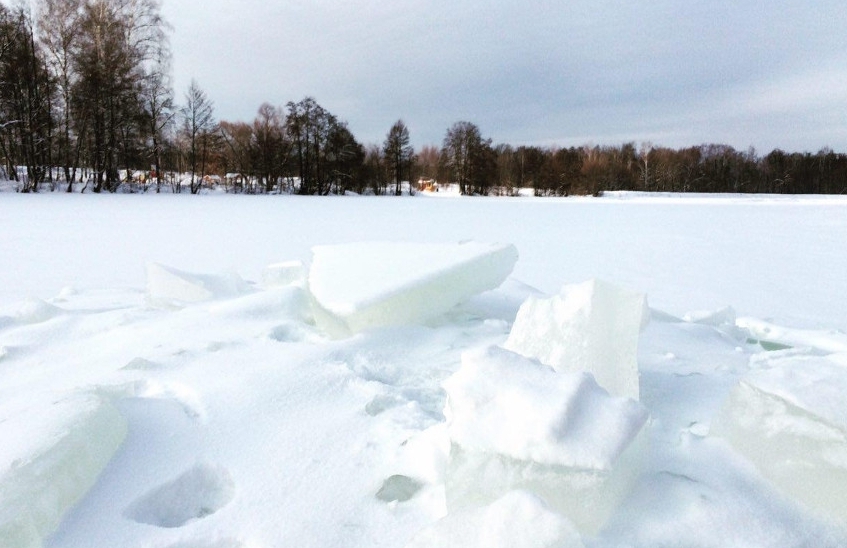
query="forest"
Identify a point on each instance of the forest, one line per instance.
(87, 105)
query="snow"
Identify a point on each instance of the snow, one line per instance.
(515, 520)
(592, 326)
(366, 285)
(210, 410)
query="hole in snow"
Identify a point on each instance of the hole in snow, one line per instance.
(398, 488)
(199, 492)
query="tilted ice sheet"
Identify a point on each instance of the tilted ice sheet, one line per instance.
(377, 284)
(592, 326)
(789, 419)
(59, 449)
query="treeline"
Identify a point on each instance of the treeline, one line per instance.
(86, 103)
(706, 168)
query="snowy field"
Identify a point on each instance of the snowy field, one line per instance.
(252, 372)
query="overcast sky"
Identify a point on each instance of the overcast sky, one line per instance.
(769, 74)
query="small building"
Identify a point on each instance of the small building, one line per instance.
(427, 185)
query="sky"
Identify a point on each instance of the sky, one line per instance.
(766, 74)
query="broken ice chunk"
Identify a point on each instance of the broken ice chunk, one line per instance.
(516, 520)
(55, 456)
(592, 326)
(168, 286)
(365, 285)
(517, 424)
(790, 421)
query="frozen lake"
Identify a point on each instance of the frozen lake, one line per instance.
(181, 406)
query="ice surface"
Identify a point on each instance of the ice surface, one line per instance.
(592, 326)
(168, 286)
(284, 273)
(365, 285)
(285, 409)
(516, 520)
(789, 419)
(61, 451)
(517, 424)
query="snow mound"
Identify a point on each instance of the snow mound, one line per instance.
(34, 310)
(287, 302)
(790, 421)
(61, 450)
(517, 424)
(284, 273)
(197, 493)
(516, 520)
(365, 285)
(170, 287)
(593, 326)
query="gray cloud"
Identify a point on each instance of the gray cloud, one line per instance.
(678, 73)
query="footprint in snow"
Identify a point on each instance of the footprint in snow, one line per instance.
(197, 493)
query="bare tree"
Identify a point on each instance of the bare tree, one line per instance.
(25, 99)
(58, 22)
(398, 153)
(468, 158)
(198, 126)
(157, 97)
(271, 146)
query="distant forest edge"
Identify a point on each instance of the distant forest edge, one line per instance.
(86, 104)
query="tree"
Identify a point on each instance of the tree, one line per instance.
(398, 153)
(238, 149)
(57, 25)
(158, 105)
(325, 152)
(468, 158)
(198, 125)
(25, 99)
(270, 146)
(119, 44)
(374, 169)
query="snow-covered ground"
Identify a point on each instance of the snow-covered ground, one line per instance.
(159, 387)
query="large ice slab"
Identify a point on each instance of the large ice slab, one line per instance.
(50, 459)
(364, 285)
(516, 520)
(789, 419)
(169, 286)
(517, 424)
(592, 326)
